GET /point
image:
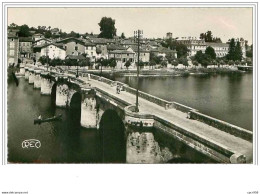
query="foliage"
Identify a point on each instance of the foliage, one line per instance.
(112, 62)
(235, 51)
(164, 63)
(152, 63)
(172, 44)
(208, 37)
(127, 64)
(211, 52)
(184, 61)
(44, 60)
(202, 58)
(24, 31)
(84, 62)
(123, 35)
(107, 28)
(170, 57)
(195, 63)
(47, 34)
(56, 62)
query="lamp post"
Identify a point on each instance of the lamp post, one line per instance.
(77, 75)
(101, 63)
(137, 34)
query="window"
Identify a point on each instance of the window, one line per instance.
(11, 52)
(11, 44)
(91, 53)
(76, 48)
(65, 47)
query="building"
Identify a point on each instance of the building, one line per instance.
(90, 50)
(37, 36)
(221, 49)
(42, 41)
(162, 51)
(55, 31)
(12, 49)
(144, 54)
(168, 35)
(122, 56)
(25, 47)
(73, 46)
(194, 44)
(53, 50)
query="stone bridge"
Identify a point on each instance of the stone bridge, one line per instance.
(211, 139)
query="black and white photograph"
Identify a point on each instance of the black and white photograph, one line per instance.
(164, 85)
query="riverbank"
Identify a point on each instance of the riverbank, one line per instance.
(168, 72)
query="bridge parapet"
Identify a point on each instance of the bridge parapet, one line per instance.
(222, 125)
(138, 119)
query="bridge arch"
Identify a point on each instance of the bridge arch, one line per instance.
(112, 137)
(53, 93)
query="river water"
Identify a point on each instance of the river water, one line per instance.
(227, 97)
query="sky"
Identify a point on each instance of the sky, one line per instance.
(225, 23)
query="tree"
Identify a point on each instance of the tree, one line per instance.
(127, 64)
(56, 62)
(112, 62)
(184, 61)
(44, 60)
(202, 58)
(170, 57)
(249, 52)
(84, 62)
(195, 63)
(47, 34)
(123, 35)
(164, 63)
(231, 50)
(13, 25)
(211, 52)
(24, 31)
(182, 50)
(175, 63)
(208, 37)
(107, 28)
(152, 63)
(238, 52)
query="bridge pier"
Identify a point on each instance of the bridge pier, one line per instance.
(46, 84)
(37, 79)
(31, 76)
(62, 92)
(141, 147)
(22, 69)
(26, 73)
(88, 109)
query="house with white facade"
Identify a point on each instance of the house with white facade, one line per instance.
(53, 51)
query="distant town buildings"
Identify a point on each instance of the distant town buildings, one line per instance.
(89, 45)
(12, 48)
(168, 35)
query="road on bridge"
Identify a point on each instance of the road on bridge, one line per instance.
(214, 135)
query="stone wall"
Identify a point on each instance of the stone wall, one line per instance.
(31, 77)
(222, 125)
(142, 148)
(46, 86)
(37, 81)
